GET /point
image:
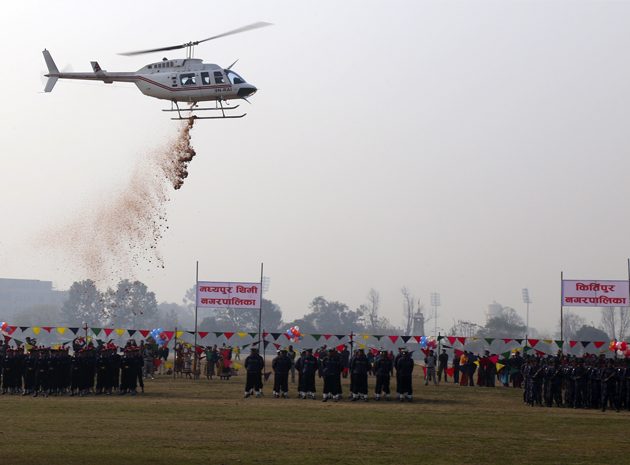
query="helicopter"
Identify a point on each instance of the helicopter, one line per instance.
(187, 80)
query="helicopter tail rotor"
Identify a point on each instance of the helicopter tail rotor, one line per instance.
(53, 72)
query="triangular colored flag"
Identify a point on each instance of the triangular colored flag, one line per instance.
(462, 340)
(526, 348)
(327, 336)
(405, 338)
(393, 339)
(218, 333)
(340, 336)
(489, 340)
(451, 340)
(548, 341)
(507, 340)
(598, 344)
(418, 338)
(499, 366)
(228, 335)
(439, 338)
(265, 334)
(131, 332)
(169, 334)
(241, 334)
(18, 342)
(61, 329)
(540, 353)
(36, 330)
(23, 328)
(253, 335)
(287, 336)
(365, 336)
(11, 329)
(144, 332)
(506, 354)
(476, 362)
(559, 344)
(179, 334)
(192, 333)
(533, 342)
(245, 346)
(96, 331)
(277, 346)
(108, 331)
(377, 336)
(520, 341)
(275, 336)
(585, 343)
(120, 331)
(203, 334)
(572, 343)
(74, 330)
(316, 336)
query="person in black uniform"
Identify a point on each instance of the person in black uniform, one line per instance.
(359, 369)
(307, 367)
(404, 370)
(254, 365)
(383, 369)
(609, 386)
(579, 383)
(281, 366)
(442, 366)
(330, 369)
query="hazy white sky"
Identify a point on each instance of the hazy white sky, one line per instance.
(470, 148)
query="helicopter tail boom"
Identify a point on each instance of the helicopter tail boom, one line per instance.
(53, 72)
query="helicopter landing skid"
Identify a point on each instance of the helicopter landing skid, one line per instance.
(192, 109)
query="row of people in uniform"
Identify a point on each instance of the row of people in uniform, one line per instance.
(585, 382)
(102, 369)
(330, 366)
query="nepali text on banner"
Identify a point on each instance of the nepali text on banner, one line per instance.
(590, 293)
(228, 295)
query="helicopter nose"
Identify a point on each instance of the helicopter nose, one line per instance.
(246, 90)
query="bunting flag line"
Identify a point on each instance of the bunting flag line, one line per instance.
(228, 335)
(107, 331)
(393, 339)
(405, 338)
(203, 334)
(316, 336)
(144, 332)
(253, 335)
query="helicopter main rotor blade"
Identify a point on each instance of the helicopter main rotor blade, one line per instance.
(249, 27)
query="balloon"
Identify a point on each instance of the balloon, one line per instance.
(4, 325)
(612, 345)
(623, 346)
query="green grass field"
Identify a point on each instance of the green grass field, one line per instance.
(185, 422)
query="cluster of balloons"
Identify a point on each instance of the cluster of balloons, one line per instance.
(620, 348)
(428, 343)
(294, 333)
(3, 326)
(158, 336)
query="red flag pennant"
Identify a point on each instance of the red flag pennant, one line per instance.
(11, 329)
(598, 344)
(287, 336)
(451, 339)
(228, 335)
(393, 339)
(572, 343)
(458, 353)
(169, 334)
(327, 336)
(508, 340)
(277, 346)
(108, 331)
(203, 334)
(417, 338)
(340, 347)
(48, 329)
(533, 342)
(462, 340)
(144, 332)
(265, 334)
(540, 353)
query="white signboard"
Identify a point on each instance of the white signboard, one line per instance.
(228, 295)
(589, 293)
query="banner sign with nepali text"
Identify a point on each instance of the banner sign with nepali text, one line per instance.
(228, 295)
(590, 293)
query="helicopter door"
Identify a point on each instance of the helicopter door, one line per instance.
(191, 81)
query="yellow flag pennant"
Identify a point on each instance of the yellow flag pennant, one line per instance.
(476, 362)
(365, 336)
(499, 366)
(120, 331)
(548, 341)
(61, 329)
(36, 330)
(241, 334)
(179, 334)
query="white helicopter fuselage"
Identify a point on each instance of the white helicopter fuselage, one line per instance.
(180, 80)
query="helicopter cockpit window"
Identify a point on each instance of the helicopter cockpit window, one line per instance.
(205, 79)
(235, 78)
(187, 79)
(218, 77)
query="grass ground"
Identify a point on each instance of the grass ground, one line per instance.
(184, 422)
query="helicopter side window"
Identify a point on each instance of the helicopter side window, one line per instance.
(235, 78)
(187, 79)
(205, 79)
(218, 77)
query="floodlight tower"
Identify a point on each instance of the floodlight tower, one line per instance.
(526, 300)
(435, 303)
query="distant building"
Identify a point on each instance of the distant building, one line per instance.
(17, 295)
(494, 309)
(418, 323)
